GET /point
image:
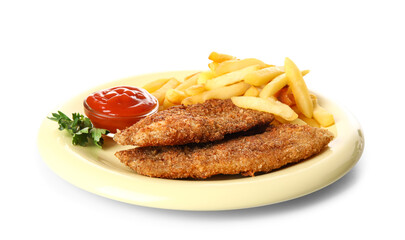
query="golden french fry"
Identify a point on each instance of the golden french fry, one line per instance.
(266, 105)
(160, 94)
(299, 88)
(321, 115)
(310, 121)
(191, 75)
(220, 57)
(263, 76)
(204, 76)
(213, 65)
(234, 65)
(166, 104)
(276, 85)
(252, 92)
(230, 78)
(155, 85)
(193, 100)
(298, 121)
(227, 92)
(192, 80)
(195, 89)
(175, 96)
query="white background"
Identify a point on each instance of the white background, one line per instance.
(52, 50)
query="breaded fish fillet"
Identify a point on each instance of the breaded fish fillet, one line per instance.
(205, 122)
(278, 146)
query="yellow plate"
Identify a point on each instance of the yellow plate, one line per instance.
(98, 171)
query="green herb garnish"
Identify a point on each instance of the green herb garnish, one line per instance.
(80, 128)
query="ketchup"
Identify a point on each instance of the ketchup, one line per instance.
(119, 107)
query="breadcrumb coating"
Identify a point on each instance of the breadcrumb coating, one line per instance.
(277, 146)
(198, 123)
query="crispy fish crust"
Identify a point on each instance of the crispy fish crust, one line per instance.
(205, 122)
(278, 146)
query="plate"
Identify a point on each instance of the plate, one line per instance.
(98, 171)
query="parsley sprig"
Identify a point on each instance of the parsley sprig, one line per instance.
(81, 128)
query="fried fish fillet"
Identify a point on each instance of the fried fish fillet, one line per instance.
(277, 146)
(205, 122)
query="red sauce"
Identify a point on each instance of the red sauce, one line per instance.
(119, 107)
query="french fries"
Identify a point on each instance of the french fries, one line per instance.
(166, 104)
(252, 92)
(219, 57)
(204, 76)
(276, 85)
(299, 88)
(263, 76)
(175, 96)
(266, 105)
(191, 75)
(188, 82)
(234, 65)
(195, 89)
(160, 94)
(155, 85)
(218, 93)
(321, 115)
(213, 66)
(227, 92)
(298, 121)
(310, 121)
(249, 83)
(230, 78)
